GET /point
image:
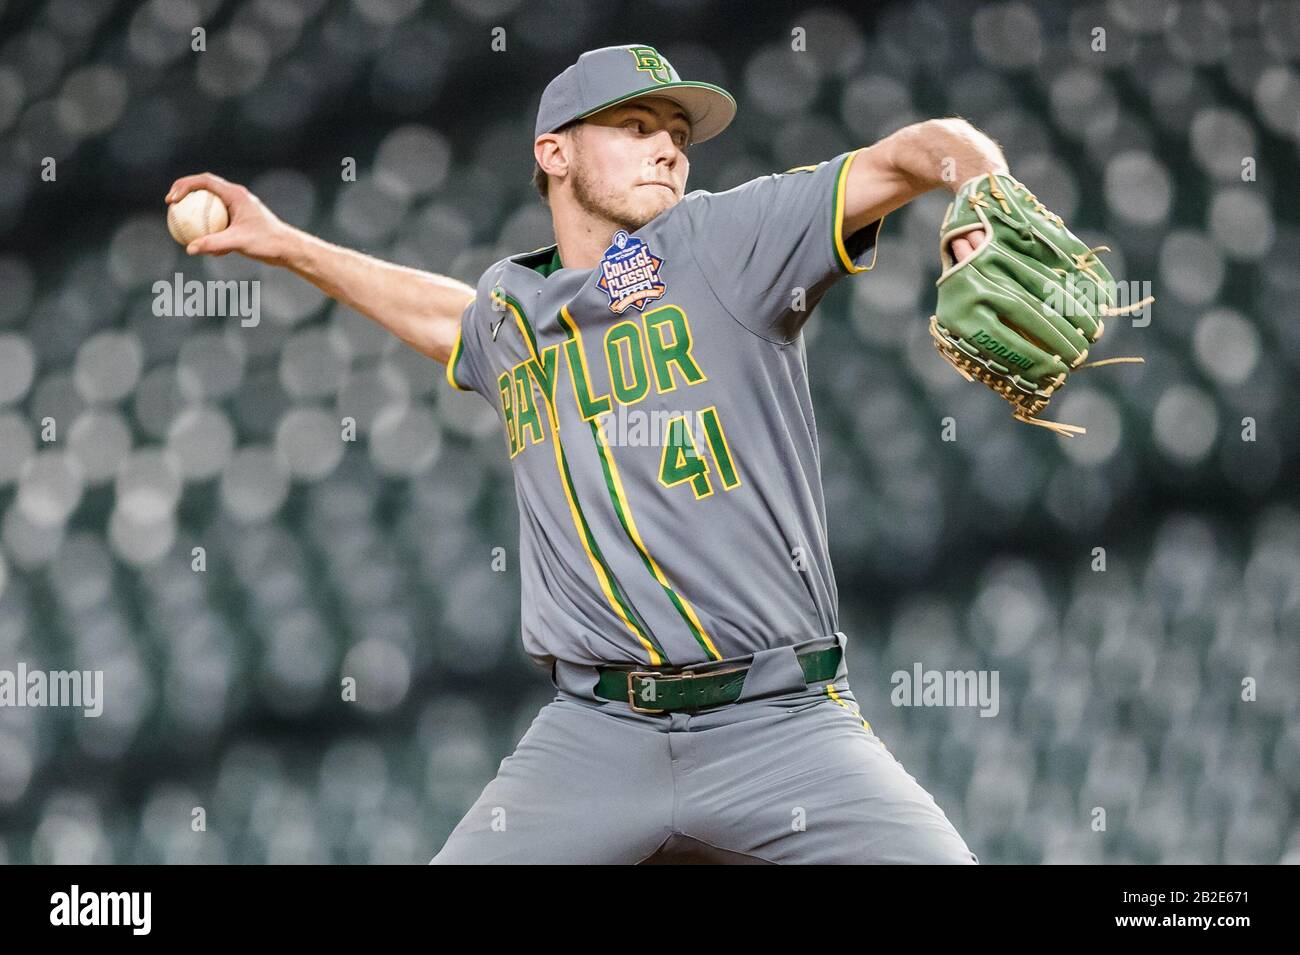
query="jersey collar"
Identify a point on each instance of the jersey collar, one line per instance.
(543, 261)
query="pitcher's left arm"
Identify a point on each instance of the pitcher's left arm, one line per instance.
(913, 161)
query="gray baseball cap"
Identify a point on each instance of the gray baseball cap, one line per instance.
(616, 74)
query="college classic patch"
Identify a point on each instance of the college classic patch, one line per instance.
(630, 274)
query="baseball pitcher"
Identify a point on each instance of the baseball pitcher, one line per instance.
(652, 385)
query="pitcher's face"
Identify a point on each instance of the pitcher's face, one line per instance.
(630, 161)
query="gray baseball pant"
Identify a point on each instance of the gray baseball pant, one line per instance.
(791, 773)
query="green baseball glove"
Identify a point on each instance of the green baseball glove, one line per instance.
(1021, 312)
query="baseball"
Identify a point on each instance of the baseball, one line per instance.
(198, 214)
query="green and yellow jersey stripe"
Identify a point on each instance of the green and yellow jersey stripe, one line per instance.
(618, 496)
(608, 585)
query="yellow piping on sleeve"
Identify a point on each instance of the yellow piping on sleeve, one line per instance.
(846, 261)
(453, 359)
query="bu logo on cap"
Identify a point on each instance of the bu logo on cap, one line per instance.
(649, 61)
(629, 274)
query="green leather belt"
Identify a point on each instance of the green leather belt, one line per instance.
(661, 691)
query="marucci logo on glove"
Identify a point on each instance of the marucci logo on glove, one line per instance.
(1002, 351)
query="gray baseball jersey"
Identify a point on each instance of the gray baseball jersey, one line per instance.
(660, 427)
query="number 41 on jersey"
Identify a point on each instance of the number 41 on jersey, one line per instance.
(682, 461)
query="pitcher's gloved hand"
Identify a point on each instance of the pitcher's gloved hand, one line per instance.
(1020, 306)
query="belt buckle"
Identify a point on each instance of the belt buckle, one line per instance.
(653, 674)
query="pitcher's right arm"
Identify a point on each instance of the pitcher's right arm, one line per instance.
(421, 308)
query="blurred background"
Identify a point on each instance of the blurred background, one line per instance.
(1174, 142)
